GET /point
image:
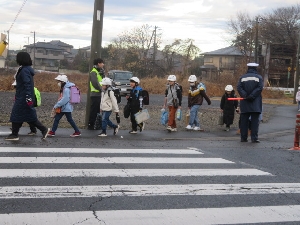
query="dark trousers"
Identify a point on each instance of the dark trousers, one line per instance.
(245, 125)
(16, 126)
(134, 125)
(95, 108)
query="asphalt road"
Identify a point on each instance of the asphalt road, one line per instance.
(203, 178)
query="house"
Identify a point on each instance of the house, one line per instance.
(45, 55)
(220, 61)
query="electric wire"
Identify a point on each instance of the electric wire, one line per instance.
(20, 10)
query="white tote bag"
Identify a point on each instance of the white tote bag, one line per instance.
(142, 116)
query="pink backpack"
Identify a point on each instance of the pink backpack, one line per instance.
(74, 95)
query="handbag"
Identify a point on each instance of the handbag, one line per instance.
(58, 110)
(220, 121)
(126, 111)
(164, 117)
(142, 116)
(98, 122)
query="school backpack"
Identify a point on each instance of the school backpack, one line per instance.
(74, 95)
(117, 94)
(178, 85)
(145, 96)
(37, 97)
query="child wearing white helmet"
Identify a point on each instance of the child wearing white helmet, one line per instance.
(228, 107)
(63, 106)
(195, 100)
(173, 98)
(107, 105)
(298, 98)
(135, 104)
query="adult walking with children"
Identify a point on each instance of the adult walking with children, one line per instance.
(250, 87)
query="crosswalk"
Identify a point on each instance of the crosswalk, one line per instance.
(138, 186)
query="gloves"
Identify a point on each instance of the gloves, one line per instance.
(29, 101)
(249, 98)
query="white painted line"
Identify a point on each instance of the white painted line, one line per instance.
(194, 216)
(110, 160)
(7, 192)
(37, 173)
(101, 150)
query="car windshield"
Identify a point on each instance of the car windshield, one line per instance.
(122, 76)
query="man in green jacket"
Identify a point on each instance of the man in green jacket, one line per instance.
(96, 75)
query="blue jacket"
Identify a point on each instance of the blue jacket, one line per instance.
(21, 112)
(250, 86)
(64, 102)
(133, 100)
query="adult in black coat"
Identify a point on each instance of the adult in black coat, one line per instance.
(250, 86)
(228, 106)
(23, 108)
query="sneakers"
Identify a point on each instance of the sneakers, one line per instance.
(45, 133)
(189, 127)
(133, 132)
(142, 126)
(169, 128)
(31, 133)
(12, 137)
(102, 134)
(76, 134)
(226, 129)
(51, 133)
(197, 128)
(116, 129)
(174, 129)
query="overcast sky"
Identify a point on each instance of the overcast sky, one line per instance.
(205, 21)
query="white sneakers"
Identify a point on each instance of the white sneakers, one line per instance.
(197, 128)
(189, 127)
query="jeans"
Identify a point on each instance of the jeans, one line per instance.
(106, 122)
(57, 118)
(194, 116)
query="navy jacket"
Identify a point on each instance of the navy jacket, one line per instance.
(21, 112)
(250, 86)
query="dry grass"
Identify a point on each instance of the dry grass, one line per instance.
(45, 83)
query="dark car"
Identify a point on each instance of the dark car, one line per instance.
(121, 80)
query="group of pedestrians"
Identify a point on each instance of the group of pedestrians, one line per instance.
(104, 102)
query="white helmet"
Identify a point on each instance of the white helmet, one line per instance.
(192, 78)
(228, 88)
(135, 79)
(106, 81)
(171, 78)
(62, 78)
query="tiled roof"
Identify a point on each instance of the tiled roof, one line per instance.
(231, 50)
(45, 45)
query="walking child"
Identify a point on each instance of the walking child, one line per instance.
(107, 105)
(63, 106)
(135, 103)
(228, 106)
(173, 99)
(195, 100)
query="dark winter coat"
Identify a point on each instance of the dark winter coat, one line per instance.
(21, 112)
(196, 95)
(228, 107)
(134, 103)
(250, 86)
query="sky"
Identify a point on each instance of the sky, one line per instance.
(204, 21)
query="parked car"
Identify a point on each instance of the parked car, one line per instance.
(121, 79)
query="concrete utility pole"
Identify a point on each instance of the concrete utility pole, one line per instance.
(96, 42)
(296, 83)
(256, 41)
(33, 48)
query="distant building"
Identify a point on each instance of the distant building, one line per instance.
(222, 60)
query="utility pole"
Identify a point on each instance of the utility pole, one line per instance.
(96, 42)
(256, 41)
(296, 83)
(33, 48)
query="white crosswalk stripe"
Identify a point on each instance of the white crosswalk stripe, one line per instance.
(15, 163)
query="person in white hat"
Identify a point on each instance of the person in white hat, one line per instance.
(298, 98)
(63, 106)
(250, 86)
(228, 107)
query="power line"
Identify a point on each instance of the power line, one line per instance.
(17, 15)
